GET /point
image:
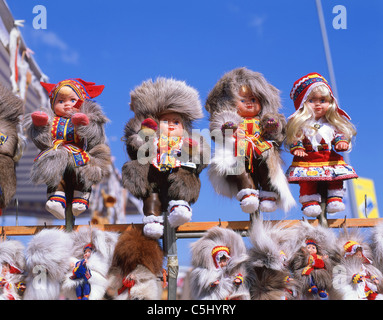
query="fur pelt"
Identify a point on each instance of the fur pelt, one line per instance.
(140, 258)
(222, 107)
(11, 108)
(99, 261)
(326, 242)
(47, 264)
(377, 245)
(267, 265)
(50, 169)
(12, 252)
(204, 272)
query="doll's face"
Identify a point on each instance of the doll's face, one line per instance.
(87, 253)
(318, 103)
(248, 105)
(65, 100)
(312, 249)
(4, 268)
(171, 124)
(223, 261)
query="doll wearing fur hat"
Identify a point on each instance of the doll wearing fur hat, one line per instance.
(219, 270)
(316, 130)
(360, 279)
(12, 285)
(136, 269)
(71, 138)
(11, 108)
(166, 159)
(244, 116)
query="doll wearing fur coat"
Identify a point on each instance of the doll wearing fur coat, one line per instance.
(11, 108)
(244, 117)
(219, 270)
(71, 138)
(166, 159)
(136, 269)
(12, 285)
(315, 133)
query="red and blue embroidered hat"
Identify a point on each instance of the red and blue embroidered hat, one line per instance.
(83, 89)
(303, 87)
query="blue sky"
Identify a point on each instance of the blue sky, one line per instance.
(122, 43)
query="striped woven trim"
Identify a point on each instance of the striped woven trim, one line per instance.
(317, 164)
(81, 200)
(58, 198)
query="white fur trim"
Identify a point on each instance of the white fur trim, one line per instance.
(152, 219)
(267, 206)
(179, 213)
(56, 209)
(312, 211)
(310, 197)
(335, 192)
(246, 192)
(335, 206)
(153, 230)
(267, 194)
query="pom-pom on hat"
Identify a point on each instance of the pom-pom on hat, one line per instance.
(83, 89)
(218, 252)
(303, 87)
(88, 246)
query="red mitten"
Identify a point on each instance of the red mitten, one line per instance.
(39, 118)
(149, 127)
(190, 145)
(80, 119)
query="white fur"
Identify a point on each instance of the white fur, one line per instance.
(312, 211)
(268, 205)
(153, 226)
(249, 204)
(335, 206)
(180, 214)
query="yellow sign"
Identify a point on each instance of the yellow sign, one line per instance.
(365, 198)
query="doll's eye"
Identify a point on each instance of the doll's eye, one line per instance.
(73, 100)
(176, 123)
(311, 100)
(323, 101)
(242, 100)
(253, 100)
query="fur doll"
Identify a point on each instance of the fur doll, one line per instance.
(71, 138)
(268, 276)
(12, 259)
(358, 278)
(317, 129)
(166, 159)
(244, 117)
(87, 276)
(314, 256)
(218, 262)
(11, 108)
(136, 269)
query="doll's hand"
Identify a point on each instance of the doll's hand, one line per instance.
(229, 125)
(190, 145)
(300, 153)
(341, 146)
(271, 125)
(80, 119)
(39, 118)
(149, 127)
(214, 284)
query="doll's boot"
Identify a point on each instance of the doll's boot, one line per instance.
(179, 213)
(335, 200)
(311, 205)
(248, 200)
(323, 295)
(153, 221)
(268, 201)
(80, 202)
(56, 204)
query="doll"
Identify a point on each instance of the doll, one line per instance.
(314, 256)
(71, 138)
(136, 269)
(244, 117)
(12, 285)
(268, 276)
(218, 262)
(359, 279)
(166, 159)
(315, 131)
(11, 108)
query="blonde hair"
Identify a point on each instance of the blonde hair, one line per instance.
(295, 126)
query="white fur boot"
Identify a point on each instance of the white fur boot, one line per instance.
(80, 202)
(153, 226)
(335, 201)
(249, 200)
(56, 204)
(268, 201)
(179, 213)
(311, 205)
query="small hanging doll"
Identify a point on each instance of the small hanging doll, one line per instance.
(166, 158)
(248, 131)
(12, 285)
(315, 131)
(136, 271)
(218, 262)
(268, 276)
(11, 108)
(71, 138)
(359, 279)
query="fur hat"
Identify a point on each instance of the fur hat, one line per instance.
(153, 98)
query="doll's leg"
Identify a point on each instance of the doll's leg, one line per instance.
(310, 198)
(335, 194)
(56, 202)
(247, 195)
(267, 197)
(81, 195)
(153, 221)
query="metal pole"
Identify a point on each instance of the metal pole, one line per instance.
(349, 184)
(170, 248)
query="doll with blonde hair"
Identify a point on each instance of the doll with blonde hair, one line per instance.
(317, 129)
